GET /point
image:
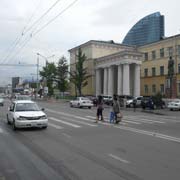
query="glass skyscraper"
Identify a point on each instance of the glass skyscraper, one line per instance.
(149, 29)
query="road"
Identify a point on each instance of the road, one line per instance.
(144, 146)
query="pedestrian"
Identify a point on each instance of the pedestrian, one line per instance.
(134, 104)
(99, 109)
(116, 109)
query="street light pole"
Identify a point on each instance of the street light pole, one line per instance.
(37, 83)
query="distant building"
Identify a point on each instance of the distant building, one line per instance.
(154, 68)
(147, 30)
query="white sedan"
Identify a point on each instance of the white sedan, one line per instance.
(81, 102)
(174, 105)
(26, 113)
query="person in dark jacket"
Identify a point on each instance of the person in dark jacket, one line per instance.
(116, 108)
(99, 109)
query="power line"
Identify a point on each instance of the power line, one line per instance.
(40, 29)
(42, 16)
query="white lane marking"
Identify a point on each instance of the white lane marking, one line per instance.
(126, 121)
(1, 131)
(66, 135)
(144, 119)
(64, 122)
(80, 122)
(149, 133)
(55, 126)
(137, 120)
(118, 158)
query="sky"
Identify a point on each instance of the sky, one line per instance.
(52, 27)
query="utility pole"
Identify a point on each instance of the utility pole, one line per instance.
(37, 83)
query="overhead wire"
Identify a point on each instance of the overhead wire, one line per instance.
(18, 39)
(40, 29)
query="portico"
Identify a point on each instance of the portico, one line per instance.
(118, 73)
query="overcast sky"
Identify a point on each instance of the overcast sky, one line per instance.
(83, 21)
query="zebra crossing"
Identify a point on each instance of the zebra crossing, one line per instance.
(65, 120)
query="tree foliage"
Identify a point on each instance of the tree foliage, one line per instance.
(49, 73)
(79, 76)
(62, 74)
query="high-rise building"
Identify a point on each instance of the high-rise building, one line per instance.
(147, 30)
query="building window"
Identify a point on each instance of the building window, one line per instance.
(153, 54)
(161, 70)
(178, 50)
(153, 88)
(162, 53)
(146, 56)
(170, 51)
(153, 71)
(179, 68)
(162, 88)
(145, 72)
(146, 89)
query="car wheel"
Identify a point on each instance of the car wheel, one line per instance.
(8, 120)
(171, 109)
(71, 105)
(14, 125)
(89, 107)
(131, 105)
(44, 127)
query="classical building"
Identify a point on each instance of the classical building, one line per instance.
(147, 30)
(154, 69)
(114, 68)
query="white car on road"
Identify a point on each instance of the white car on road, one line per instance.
(174, 105)
(26, 113)
(81, 102)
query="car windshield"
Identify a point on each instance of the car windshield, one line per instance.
(23, 98)
(26, 107)
(86, 99)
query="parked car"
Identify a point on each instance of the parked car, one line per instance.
(81, 102)
(1, 101)
(138, 99)
(107, 99)
(124, 98)
(147, 103)
(174, 105)
(26, 113)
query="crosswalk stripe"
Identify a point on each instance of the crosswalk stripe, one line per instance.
(1, 131)
(122, 120)
(64, 122)
(55, 126)
(126, 121)
(144, 119)
(80, 122)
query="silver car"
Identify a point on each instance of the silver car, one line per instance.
(174, 105)
(1, 101)
(26, 113)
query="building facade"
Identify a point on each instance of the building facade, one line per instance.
(113, 68)
(154, 69)
(147, 30)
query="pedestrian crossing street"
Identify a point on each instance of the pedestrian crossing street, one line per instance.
(66, 120)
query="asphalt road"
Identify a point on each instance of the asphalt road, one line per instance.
(144, 146)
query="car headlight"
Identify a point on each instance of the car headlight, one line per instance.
(21, 118)
(43, 117)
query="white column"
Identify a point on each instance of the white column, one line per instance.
(126, 90)
(120, 80)
(98, 82)
(137, 80)
(110, 81)
(105, 89)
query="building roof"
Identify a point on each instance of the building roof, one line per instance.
(110, 42)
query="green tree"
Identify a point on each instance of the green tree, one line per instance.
(62, 75)
(79, 76)
(49, 73)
